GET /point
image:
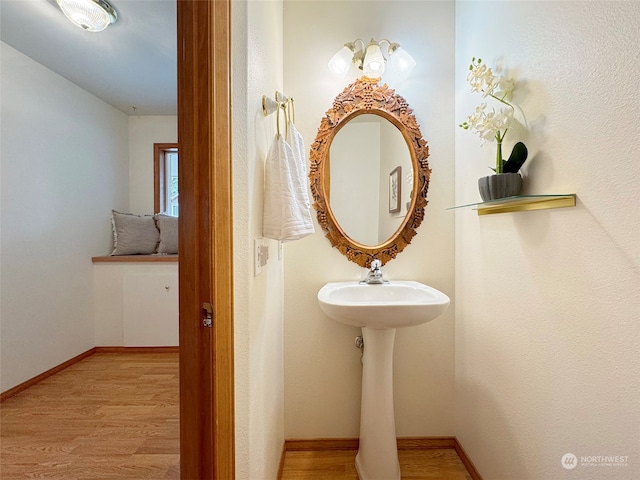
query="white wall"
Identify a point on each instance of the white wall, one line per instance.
(144, 131)
(547, 302)
(64, 166)
(322, 365)
(256, 71)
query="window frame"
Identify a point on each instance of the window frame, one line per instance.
(159, 174)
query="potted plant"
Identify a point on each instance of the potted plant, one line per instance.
(492, 125)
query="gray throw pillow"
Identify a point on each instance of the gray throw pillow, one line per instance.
(134, 234)
(168, 227)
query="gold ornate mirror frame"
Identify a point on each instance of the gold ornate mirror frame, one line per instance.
(366, 96)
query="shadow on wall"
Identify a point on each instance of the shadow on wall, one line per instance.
(501, 449)
(537, 173)
(533, 231)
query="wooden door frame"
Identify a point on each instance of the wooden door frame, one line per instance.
(207, 438)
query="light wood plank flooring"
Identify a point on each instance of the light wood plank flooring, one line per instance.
(116, 416)
(436, 464)
(110, 416)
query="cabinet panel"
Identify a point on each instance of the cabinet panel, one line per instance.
(150, 310)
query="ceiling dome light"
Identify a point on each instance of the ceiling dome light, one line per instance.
(90, 15)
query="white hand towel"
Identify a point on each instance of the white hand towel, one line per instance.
(294, 138)
(286, 214)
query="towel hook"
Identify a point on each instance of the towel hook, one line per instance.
(292, 113)
(269, 105)
(282, 102)
(280, 105)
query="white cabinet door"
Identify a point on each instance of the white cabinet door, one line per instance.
(150, 310)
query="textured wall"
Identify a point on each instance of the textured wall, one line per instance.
(64, 167)
(547, 302)
(144, 131)
(322, 365)
(256, 71)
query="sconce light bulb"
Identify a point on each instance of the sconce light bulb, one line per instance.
(401, 62)
(373, 64)
(341, 61)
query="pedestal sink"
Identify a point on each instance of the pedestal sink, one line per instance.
(379, 310)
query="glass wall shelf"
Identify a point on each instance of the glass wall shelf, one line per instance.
(522, 203)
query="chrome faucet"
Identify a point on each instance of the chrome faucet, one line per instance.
(374, 277)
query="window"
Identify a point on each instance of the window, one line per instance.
(165, 173)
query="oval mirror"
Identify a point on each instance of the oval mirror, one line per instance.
(370, 178)
(369, 173)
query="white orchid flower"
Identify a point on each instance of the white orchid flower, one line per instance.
(490, 125)
(505, 88)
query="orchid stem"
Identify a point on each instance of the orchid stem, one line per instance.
(502, 101)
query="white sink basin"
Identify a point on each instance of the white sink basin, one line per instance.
(401, 303)
(379, 310)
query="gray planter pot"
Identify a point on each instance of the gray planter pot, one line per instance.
(499, 186)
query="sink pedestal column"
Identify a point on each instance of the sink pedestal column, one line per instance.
(377, 457)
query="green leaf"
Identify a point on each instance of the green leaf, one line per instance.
(516, 159)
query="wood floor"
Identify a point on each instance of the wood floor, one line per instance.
(436, 464)
(116, 416)
(110, 416)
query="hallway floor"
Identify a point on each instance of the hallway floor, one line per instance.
(109, 416)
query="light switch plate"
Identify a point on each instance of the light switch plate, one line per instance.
(257, 256)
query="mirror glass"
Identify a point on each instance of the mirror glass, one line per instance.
(371, 177)
(369, 173)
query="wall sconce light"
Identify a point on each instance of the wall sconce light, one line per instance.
(90, 15)
(370, 59)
